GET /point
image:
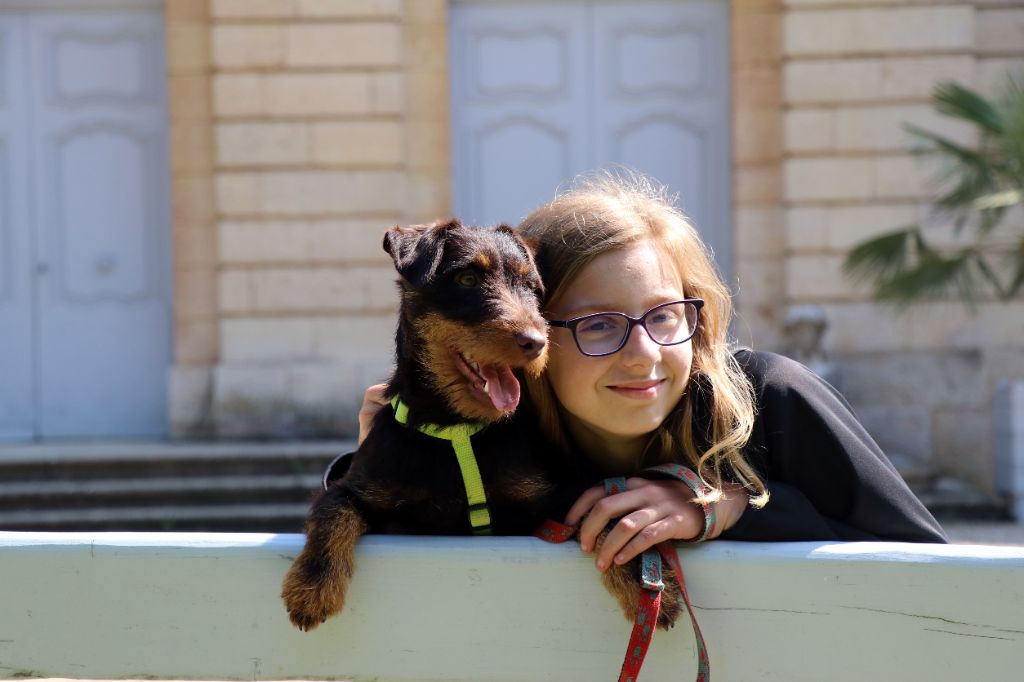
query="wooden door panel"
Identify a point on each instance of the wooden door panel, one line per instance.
(661, 89)
(103, 224)
(518, 114)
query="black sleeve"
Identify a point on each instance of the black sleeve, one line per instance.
(827, 479)
(337, 468)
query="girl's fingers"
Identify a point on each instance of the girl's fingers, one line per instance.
(650, 511)
(375, 394)
(604, 509)
(631, 530)
(583, 505)
(373, 401)
(657, 532)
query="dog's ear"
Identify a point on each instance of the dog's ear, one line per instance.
(418, 249)
(532, 245)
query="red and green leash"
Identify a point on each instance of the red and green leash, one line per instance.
(651, 562)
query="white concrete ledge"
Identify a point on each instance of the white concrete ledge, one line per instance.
(206, 606)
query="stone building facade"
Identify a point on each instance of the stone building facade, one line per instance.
(301, 129)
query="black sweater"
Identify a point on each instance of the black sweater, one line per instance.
(827, 479)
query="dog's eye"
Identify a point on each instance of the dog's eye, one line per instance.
(467, 279)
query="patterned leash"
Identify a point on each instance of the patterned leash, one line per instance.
(651, 574)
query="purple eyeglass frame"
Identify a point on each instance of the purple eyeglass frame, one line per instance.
(571, 325)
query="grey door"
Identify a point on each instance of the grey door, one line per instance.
(93, 175)
(17, 408)
(543, 91)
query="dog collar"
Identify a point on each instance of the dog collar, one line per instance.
(459, 435)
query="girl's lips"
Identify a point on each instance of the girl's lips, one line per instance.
(638, 389)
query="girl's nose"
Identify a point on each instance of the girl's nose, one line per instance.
(640, 348)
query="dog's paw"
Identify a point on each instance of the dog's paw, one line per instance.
(624, 583)
(312, 592)
(672, 604)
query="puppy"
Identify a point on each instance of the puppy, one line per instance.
(469, 321)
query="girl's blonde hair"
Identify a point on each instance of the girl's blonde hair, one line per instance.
(605, 212)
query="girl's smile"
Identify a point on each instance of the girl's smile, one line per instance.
(638, 390)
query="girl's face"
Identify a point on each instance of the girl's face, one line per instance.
(612, 403)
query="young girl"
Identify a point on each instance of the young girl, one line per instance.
(640, 373)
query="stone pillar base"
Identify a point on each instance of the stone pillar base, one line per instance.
(278, 400)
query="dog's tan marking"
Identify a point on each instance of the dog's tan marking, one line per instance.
(484, 261)
(623, 582)
(519, 490)
(489, 343)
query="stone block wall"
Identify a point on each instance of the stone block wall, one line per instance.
(302, 129)
(854, 72)
(759, 221)
(311, 157)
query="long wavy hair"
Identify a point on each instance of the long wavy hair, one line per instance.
(712, 423)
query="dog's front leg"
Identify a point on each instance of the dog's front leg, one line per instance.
(315, 585)
(624, 583)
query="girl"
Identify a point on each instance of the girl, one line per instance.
(640, 373)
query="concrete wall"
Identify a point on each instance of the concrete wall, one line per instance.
(326, 124)
(206, 606)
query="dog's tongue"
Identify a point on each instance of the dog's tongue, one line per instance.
(502, 386)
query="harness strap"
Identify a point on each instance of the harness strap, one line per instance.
(459, 436)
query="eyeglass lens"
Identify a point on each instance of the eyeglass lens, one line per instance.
(666, 324)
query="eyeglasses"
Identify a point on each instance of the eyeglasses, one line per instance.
(667, 324)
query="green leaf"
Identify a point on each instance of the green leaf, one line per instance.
(957, 101)
(1017, 279)
(882, 256)
(990, 276)
(932, 277)
(1005, 199)
(940, 144)
(977, 187)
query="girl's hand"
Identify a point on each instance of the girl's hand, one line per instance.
(652, 511)
(373, 401)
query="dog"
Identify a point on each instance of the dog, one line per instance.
(469, 323)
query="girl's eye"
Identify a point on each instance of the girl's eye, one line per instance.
(663, 318)
(600, 325)
(467, 279)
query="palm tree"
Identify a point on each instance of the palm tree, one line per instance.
(977, 186)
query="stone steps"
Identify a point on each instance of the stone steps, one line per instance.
(227, 487)
(247, 487)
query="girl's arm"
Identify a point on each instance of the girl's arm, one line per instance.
(651, 511)
(827, 478)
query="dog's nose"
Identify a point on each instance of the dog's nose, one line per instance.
(531, 343)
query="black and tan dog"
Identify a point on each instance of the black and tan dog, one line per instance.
(469, 322)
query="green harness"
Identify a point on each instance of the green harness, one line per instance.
(459, 435)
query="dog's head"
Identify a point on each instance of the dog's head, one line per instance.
(471, 297)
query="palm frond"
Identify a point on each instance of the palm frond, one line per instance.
(932, 143)
(969, 172)
(1016, 266)
(990, 276)
(957, 101)
(1006, 199)
(883, 256)
(975, 187)
(935, 276)
(1011, 143)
